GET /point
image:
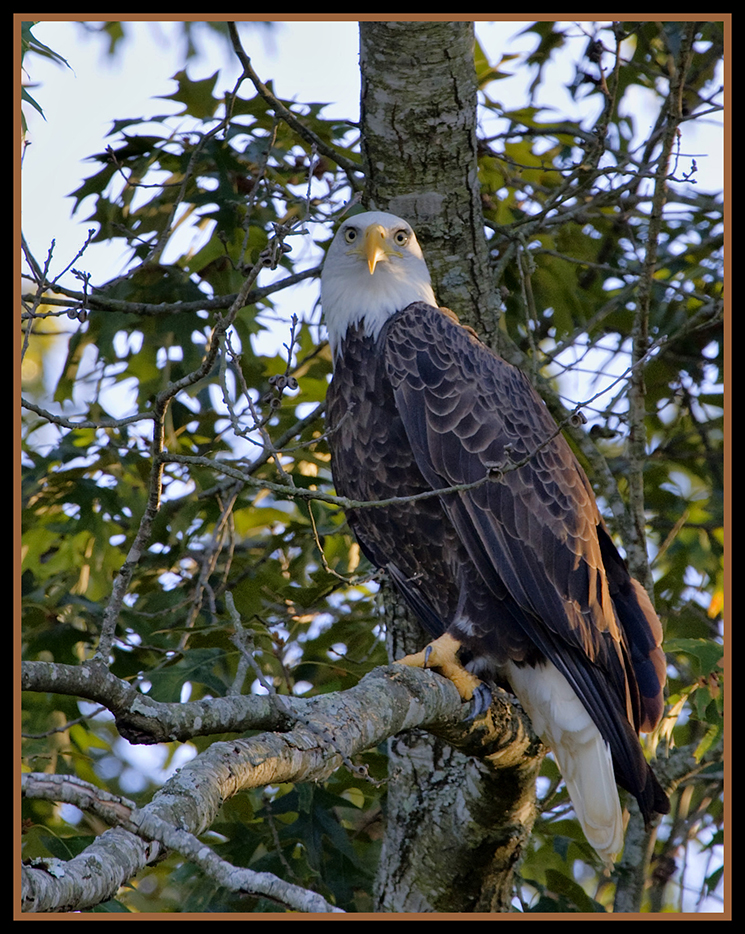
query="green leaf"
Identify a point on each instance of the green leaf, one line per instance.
(29, 43)
(706, 654)
(196, 96)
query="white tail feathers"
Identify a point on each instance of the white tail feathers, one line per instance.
(583, 756)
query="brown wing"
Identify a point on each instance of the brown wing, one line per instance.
(466, 412)
(373, 460)
(535, 531)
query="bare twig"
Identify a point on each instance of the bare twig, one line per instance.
(99, 301)
(672, 115)
(66, 422)
(210, 554)
(40, 275)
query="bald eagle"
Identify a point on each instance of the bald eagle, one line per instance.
(515, 578)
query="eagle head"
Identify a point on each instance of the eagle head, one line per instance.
(374, 268)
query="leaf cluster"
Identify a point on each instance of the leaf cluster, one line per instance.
(567, 206)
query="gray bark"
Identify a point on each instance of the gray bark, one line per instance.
(456, 825)
(455, 829)
(418, 117)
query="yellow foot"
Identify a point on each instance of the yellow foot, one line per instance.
(442, 654)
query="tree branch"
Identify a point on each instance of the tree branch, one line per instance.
(98, 301)
(59, 882)
(139, 718)
(328, 730)
(680, 766)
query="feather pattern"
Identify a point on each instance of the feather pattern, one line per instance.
(519, 569)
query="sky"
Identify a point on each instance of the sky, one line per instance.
(307, 61)
(79, 104)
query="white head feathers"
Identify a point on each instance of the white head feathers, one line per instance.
(373, 269)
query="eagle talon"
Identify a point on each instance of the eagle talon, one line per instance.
(442, 654)
(481, 702)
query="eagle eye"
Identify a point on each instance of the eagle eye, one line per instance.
(401, 237)
(350, 234)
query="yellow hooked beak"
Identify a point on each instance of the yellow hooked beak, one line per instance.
(376, 247)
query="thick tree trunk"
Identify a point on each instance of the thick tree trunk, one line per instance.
(418, 143)
(455, 826)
